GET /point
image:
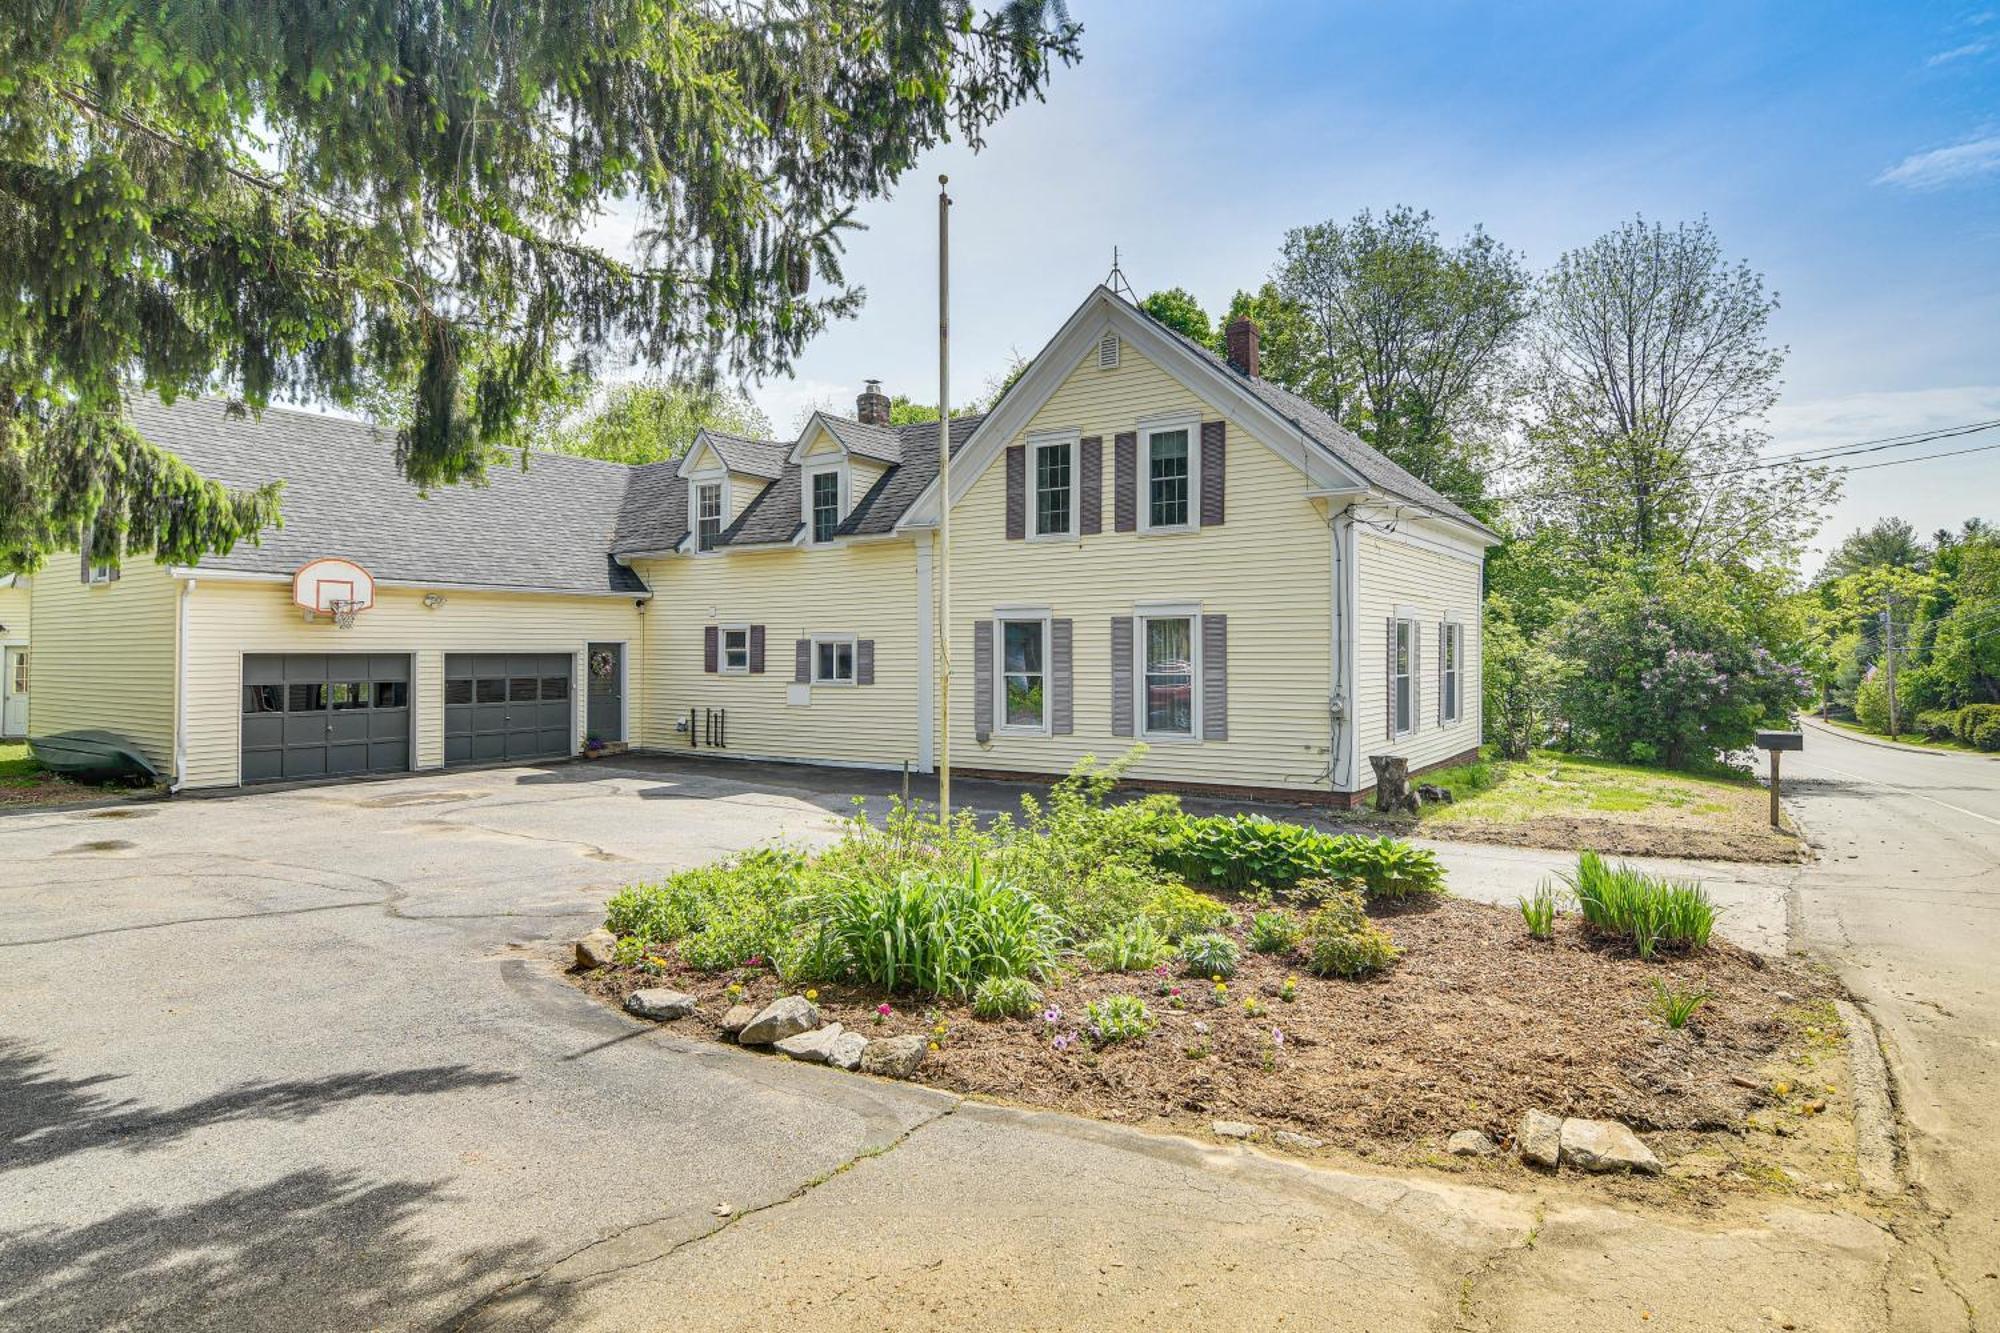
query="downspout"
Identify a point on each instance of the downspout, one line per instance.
(180, 686)
(1336, 666)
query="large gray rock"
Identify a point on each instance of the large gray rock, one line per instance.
(781, 1018)
(894, 1057)
(814, 1047)
(738, 1017)
(1286, 1138)
(1469, 1143)
(596, 948)
(1539, 1139)
(845, 1051)
(1606, 1145)
(659, 1002)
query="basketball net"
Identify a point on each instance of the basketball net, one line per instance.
(342, 610)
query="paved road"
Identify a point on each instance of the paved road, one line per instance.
(1906, 901)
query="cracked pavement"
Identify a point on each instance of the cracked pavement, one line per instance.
(302, 1058)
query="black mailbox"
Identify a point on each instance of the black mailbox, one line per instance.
(1781, 740)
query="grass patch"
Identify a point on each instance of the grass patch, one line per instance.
(1905, 737)
(1549, 783)
(17, 765)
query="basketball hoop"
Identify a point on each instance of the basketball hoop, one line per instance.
(333, 588)
(342, 610)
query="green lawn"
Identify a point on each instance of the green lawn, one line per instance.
(17, 767)
(1903, 737)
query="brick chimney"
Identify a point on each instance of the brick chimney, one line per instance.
(872, 407)
(1241, 340)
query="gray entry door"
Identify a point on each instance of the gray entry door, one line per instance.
(507, 707)
(316, 715)
(605, 717)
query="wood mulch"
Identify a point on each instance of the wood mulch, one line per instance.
(1617, 838)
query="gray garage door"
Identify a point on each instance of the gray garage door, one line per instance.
(315, 715)
(508, 707)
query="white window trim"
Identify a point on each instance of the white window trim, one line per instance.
(1002, 616)
(1144, 479)
(1453, 653)
(1141, 613)
(806, 477)
(1073, 440)
(722, 633)
(1414, 625)
(695, 483)
(853, 643)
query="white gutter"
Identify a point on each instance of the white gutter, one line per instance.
(180, 684)
(191, 574)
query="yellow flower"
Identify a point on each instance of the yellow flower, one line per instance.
(812, 995)
(1216, 977)
(934, 1045)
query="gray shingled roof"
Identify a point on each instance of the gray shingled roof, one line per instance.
(881, 443)
(547, 528)
(752, 457)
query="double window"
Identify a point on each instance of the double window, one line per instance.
(1449, 647)
(1055, 494)
(1166, 469)
(707, 514)
(1167, 671)
(1024, 675)
(833, 661)
(1402, 675)
(736, 650)
(825, 502)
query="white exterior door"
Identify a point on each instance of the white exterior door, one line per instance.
(14, 692)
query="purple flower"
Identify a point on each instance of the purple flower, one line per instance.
(1277, 1036)
(1052, 1015)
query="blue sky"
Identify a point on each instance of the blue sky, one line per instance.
(1849, 152)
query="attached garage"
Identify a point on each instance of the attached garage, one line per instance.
(313, 715)
(508, 707)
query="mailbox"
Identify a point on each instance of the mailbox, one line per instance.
(1781, 740)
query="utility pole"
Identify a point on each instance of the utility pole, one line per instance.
(944, 499)
(1889, 657)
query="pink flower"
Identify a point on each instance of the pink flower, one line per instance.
(882, 1009)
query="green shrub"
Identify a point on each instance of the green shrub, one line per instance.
(1937, 724)
(1675, 1005)
(1180, 911)
(1005, 997)
(1250, 852)
(1118, 1018)
(1980, 724)
(936, 933)
(716, 916)
(1210, 955)
(1274, 932)
(1133, 946)
(1651, 911)
(1539, 912)
(1871, 704)
(1093, 862)
(1342, 942)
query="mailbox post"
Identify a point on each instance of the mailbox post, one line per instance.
(1775, 743)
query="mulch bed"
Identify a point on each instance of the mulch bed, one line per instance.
(1477, 1024)
(1614, 838)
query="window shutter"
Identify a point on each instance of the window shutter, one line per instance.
(1125, 484)
(113, 575)
(1017, 492)
(1390, 678)
(802, 661)
(84, 574)
(756, 650)
(711, 647)
(1121, 672)
(1214, 465)
(982, 680)
(1090, 489)
(1214, 677)
(864, 661)
(1062, 699)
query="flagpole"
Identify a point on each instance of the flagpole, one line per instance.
(944, 497)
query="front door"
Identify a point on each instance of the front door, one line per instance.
(606, 716)
(14, 693)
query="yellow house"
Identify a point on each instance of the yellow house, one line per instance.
(1149, 544)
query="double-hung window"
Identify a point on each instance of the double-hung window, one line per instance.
(708, 514)
(1055, 480)
(1024, 701)
(1402, 678)
(1166, 478)
(1448, 657)
(736, 650)
(825, 505)
(833, 661)
(1167, 676)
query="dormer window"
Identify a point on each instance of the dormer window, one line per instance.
(825, 505)
(708, 514)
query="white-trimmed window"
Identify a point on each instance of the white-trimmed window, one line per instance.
(825, 503)
(1021, 704)
(21, 672)
(1402, 676)
(735, 650)
(102, 574)
(1169, 669)
(833, 659)
(1054, 466)
(708, 502)
(1450, 646)
(1169, 461)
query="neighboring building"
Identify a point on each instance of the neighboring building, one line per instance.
(1149, 544)
(14, 663)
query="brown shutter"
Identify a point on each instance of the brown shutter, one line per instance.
(1214, 464)
(1017, 492)
(1125, 485)
(1090, 491)
(711, 648)
(864, 661)
(1215, 678)
(982, 680)
(1062, 705)
(1121, 675)
(1390, 678)
(113, 575)
(756, 650)
(802, 661)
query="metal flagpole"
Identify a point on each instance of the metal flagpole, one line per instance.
(944, 497)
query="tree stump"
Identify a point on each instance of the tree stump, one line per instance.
(1392, 784)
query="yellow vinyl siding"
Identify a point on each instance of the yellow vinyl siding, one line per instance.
(867, 589)
(1396, 574)
(14, 612)
(104, 655)
(1267, 567)
(229, 618)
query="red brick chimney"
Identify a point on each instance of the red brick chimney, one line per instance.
(1241, 340)
(872, 407)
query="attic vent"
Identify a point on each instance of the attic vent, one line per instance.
(1107, 352)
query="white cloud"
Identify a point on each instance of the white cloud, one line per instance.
(1945, 166)
(1958, 53)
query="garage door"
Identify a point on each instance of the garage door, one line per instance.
(508, 707)
(315, 715)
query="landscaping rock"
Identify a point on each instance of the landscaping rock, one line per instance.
(1284, 1138)
(1606, 1145)
(845, 1051)
(813, 1047)
(738, 1018)
(781, 1018)
(596, 948)
(1434, 794)
(1539, 1139)
(1470, 1143)
(1233, 1129)
(659, 1002)
(894, 1057)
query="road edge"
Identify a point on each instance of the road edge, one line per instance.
(1874, 1104)
(1882, 744)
